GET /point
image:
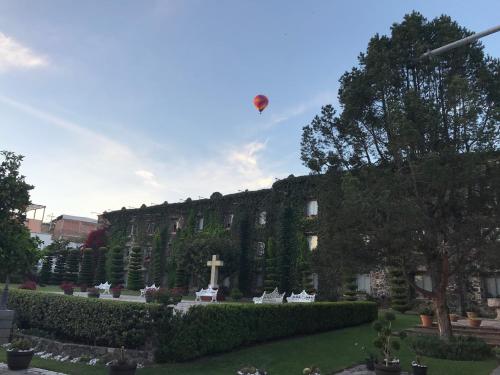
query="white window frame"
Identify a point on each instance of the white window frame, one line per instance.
(312, 241)
(262, 220)
(312, 208)
(364, 283)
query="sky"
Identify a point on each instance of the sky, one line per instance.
(120, 103)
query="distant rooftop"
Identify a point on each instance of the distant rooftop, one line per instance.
(76, 218)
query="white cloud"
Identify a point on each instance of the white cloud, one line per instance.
(83, 171)
(13, 55)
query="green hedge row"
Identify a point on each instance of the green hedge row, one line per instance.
(88, 321)
(220, 328)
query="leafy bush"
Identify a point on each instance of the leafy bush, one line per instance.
(458, 348)
(87, 321)
(20, 344)
(28, 285)
(219, 328)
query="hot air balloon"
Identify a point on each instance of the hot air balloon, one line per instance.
(260, 102)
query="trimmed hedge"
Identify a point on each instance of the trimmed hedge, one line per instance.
(88, 321)
(457, 348)
(219, 328)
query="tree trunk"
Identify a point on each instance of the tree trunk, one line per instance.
(442, 316)
(5, 294)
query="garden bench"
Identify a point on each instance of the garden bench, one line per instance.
(146, 288)
(104, 287)
(273, 297)
(209, 292)
(302, 297)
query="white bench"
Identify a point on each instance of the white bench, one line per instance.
(273, 297)
(209, 292)
(146, 288)
(104, 287)
(302, 297)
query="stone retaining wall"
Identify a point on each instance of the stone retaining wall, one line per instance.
(104, 354)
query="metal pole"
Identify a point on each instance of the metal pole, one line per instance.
(460, 42)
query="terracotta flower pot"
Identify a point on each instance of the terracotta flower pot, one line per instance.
(475, 323)
(19, 360)
(471, 314)
(381, 369)
(426, 321)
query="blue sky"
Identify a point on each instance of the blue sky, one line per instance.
(119, 103)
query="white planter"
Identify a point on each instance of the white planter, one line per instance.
(6, 318)
(495, 303)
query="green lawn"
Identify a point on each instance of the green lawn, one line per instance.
(331, 351)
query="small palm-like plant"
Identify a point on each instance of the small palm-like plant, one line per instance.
(386, 341)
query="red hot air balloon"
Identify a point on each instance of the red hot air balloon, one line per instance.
(260, 102)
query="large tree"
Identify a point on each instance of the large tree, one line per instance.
(416, 143)
(18, 252)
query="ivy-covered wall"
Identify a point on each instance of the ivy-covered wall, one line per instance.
(284, 223)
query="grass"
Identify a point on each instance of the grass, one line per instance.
(331, 351)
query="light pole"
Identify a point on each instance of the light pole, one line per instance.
(460, 42)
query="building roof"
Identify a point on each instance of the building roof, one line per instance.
(76, 218)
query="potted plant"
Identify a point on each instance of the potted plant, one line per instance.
(417, 367)
(475, 322)
(93, 293)
(117, 291)
(250, 370)
(122, 366)
(370, 358)
(495, 303)
(387, 342)
(426, 314)
(472, 311)
(68, 288)
(28, 285)
(454, 317)
(19, 354)
(313, 370)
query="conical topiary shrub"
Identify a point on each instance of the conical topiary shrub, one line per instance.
(100, 272)
(399, 290)
(350, 288)
(135, 279)
(71, 267)
(46, 271)
(117, 266)
(59, 269)
(85, 278)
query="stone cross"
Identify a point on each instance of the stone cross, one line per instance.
(214, 272)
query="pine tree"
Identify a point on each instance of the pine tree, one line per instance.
(71, 266)
(117, 266)
(59, 270)
(399, 290)
(85, 277)
(100, 273)
(135, 277)
(46, 271)
(271, 277)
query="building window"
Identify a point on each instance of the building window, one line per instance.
(364, 283)
(262, 218)
(312, 208)
(424, 281)
(174, 224)
(261, 249)
(228, 221)
(312, 241)
(199, 226)
(493, 286)
(150, 228)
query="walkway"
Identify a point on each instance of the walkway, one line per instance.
(31, 371)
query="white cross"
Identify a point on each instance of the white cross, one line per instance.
(214, 272)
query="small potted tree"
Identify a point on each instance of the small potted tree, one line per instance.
(93, 293)
(251, 370)
(475, 322)
(19, 354)
(387, 343)
(122, 366)
(68, 288)
(426, 314)
(117, 291)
